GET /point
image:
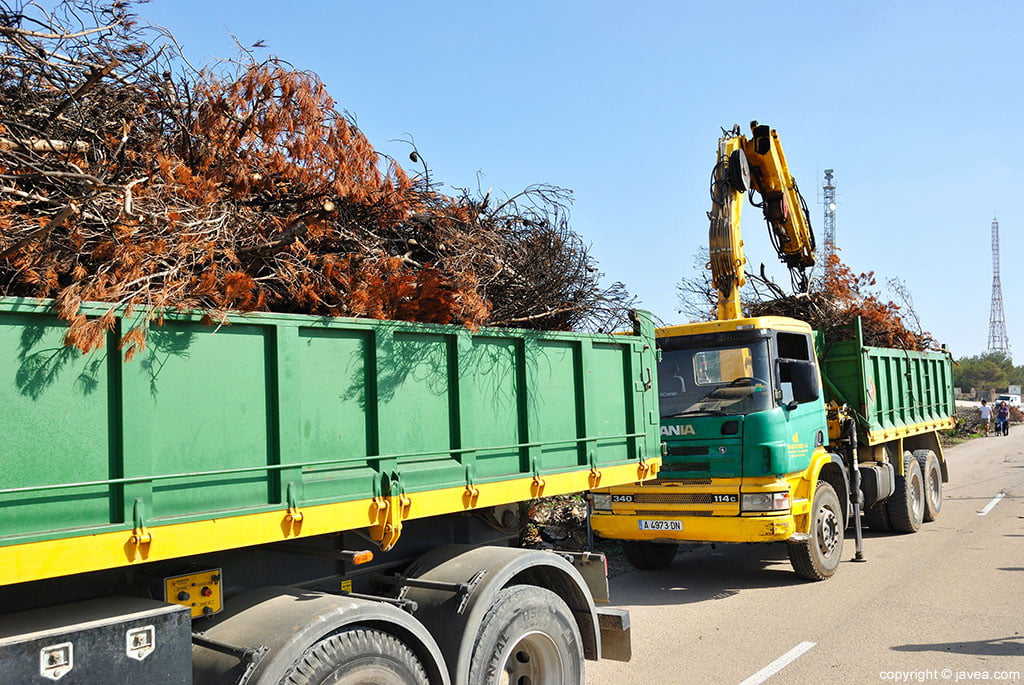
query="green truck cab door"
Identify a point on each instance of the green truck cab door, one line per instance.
(782, 440)
(804, 409)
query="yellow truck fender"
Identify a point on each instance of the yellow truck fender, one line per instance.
(827, 467)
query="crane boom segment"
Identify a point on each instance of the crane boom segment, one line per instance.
(755, 164)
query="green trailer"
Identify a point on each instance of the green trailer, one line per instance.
(895, 393)
(308, 490)
(900, 400)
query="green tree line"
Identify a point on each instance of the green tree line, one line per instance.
(991, 371)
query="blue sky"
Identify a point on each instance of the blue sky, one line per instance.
(912, 103)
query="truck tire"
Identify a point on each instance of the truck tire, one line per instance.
(649, 556)
(906, 506)
(932, 475)
(528, 635)
(356, 656)
(878, 518)
(818, 557)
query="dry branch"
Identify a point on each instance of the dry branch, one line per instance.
(831, 304)
(839, 297)
(245, 188)
(43, 145)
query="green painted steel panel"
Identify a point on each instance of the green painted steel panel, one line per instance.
(491, 395)
(334, 413)
(888, 388)
(56, 408)
(608, 400)
(552, 403)
(204, 398)
(238, 419)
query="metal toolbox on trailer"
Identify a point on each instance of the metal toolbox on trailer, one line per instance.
(110, 640)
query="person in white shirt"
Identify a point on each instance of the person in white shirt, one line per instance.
(986, 415)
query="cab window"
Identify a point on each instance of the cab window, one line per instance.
(791, 346)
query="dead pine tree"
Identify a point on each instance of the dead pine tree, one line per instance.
(129, 177)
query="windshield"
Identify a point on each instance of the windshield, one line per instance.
(727, 380)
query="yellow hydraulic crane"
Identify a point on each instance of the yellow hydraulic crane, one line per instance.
(749, 165)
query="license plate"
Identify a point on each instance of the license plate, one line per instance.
(660, 524)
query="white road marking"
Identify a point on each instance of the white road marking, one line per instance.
(779, 664)
(994, 502)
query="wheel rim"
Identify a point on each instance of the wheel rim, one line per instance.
(828, 531)
(934, 488)
(372, 674)
(917, 496)
(533, 660)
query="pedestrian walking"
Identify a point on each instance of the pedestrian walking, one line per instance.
(1003, 419)
(986, 416)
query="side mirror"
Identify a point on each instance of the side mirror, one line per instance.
(804, 377)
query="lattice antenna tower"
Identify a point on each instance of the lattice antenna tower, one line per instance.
(829, 200)
(998, 342)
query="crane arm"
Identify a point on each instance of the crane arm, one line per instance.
(755, 164)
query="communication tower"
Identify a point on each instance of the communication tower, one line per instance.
(829, 200)
(997, 340)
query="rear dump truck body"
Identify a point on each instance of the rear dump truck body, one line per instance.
(743, 460)
(896, 393)
(274, 450)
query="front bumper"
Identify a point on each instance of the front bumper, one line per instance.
(752, 528)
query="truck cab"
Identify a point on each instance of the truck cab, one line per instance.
(741, 410)
(771, 434)
(744, 429)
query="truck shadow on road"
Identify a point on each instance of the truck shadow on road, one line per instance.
(707, 573)
(1000, 646)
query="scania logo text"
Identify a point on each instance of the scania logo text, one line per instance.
(681, 429)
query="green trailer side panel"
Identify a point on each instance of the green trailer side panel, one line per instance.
(57, 427)
(335, 410)
(491, 395)
(270, 411)
(608, 407)
(892, 390)
(204, 401)
(416, 396)
(552, 369)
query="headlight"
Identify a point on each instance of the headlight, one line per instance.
(765, 501)
(601, 502)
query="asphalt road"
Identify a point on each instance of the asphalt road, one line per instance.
(944, 605)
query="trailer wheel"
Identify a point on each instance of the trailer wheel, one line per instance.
(649, 556)
(877, 517)
(818, 557)
(528, 635)
(932, 483)
(906, 506)
(356, 656)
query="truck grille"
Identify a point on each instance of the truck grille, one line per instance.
(662, 514)
(672, 498)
